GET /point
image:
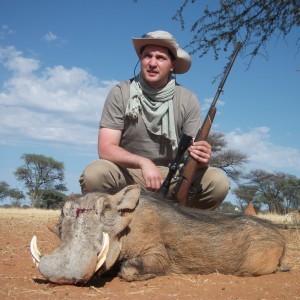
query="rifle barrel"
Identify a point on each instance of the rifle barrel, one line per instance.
(237, 48)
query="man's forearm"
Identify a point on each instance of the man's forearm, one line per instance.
(122, 157)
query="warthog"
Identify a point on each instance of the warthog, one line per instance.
(149, 236)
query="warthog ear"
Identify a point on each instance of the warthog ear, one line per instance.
(128, 198)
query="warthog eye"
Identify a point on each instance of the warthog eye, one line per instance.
(107, 206)
(125, 210)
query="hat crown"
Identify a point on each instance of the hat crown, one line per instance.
(161, 35)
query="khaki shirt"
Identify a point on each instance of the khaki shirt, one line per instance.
(135, 136)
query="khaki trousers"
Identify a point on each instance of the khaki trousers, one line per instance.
(210, 186)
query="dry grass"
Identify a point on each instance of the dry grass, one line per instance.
(289, 219)
(10, 212)
(275, 218)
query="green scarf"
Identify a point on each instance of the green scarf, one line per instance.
(155, 106)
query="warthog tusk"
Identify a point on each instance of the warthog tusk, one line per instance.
(35, 253)
(102, 255)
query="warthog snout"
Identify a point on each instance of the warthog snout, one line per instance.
(43, 263)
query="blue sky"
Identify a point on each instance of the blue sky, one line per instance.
(59, 58)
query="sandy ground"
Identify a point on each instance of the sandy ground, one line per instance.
(19, 279)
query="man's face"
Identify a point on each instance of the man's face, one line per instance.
(156, 65)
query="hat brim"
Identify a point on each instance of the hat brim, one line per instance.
(182, 57)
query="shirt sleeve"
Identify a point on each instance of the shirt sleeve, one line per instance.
(113, 113)
(187, 112)
(192, 123)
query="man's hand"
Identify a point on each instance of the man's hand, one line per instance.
(151, 174)
(201, 152)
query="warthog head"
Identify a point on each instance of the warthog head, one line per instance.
(89, 230)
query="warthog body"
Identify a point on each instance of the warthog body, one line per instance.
(150, 237)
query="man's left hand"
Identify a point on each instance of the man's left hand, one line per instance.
(201, 152)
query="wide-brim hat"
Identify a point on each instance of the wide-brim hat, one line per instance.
(164, 38)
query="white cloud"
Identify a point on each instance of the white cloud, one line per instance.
(56, 104)
(262, 153)
(14, 61)
(207, 104)
(5, 30)
(50, 37)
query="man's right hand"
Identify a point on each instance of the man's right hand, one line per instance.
(151, 174)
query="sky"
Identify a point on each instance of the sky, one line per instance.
(60, 58)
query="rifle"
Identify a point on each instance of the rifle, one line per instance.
(184, 143)
(190, 166)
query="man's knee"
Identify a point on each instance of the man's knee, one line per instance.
(211, 188)
(99, 175)
(90, 179)
(220, 185)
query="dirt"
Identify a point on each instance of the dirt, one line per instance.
(19, 279)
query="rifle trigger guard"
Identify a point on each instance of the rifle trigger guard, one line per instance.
(192, 193)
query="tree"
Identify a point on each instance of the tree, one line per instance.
(227, 207)
(229, 160)
(16, 197)
(279, 191)
(50, 199)
(268, 189)
(14, 194)
(291, 192)
(40, 173)
(4, 190)
(245, 194)
(253, 21)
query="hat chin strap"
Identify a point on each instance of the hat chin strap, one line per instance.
(135, 68)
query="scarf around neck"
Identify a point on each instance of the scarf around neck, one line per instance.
(155, 106)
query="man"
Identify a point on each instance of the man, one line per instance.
(142, 122)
